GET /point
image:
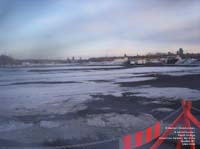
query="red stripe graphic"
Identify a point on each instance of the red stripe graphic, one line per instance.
(148, 134)
(127, 142)
(157, 130)
(141, 137)
(138, 139)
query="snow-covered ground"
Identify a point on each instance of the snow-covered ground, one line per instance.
(54, 91)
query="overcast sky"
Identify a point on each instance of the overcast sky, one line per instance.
(66, 28)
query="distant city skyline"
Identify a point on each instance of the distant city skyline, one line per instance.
(94, 28)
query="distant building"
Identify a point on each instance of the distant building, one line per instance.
(180, 52)
(141, 61)
(126, 58)
(170, 53)
(68, 60)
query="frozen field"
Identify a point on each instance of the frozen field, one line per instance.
(73, 104)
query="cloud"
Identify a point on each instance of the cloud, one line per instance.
(188, 33)
(65, 28)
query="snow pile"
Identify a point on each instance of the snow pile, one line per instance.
(188, 61)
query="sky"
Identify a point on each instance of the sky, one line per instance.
(94, 28)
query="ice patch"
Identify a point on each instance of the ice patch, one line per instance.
(13, 125)
(49, 124)
(162, 110)
(170, 93)
(134, 79)
(155, 102)
(120, 120)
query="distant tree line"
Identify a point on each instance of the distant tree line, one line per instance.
(7, 61)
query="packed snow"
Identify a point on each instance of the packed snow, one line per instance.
(67, 90)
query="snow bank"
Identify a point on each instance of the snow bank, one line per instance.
(188, 61)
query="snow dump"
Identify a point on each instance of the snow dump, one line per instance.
(30, 94)
(188, 61)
